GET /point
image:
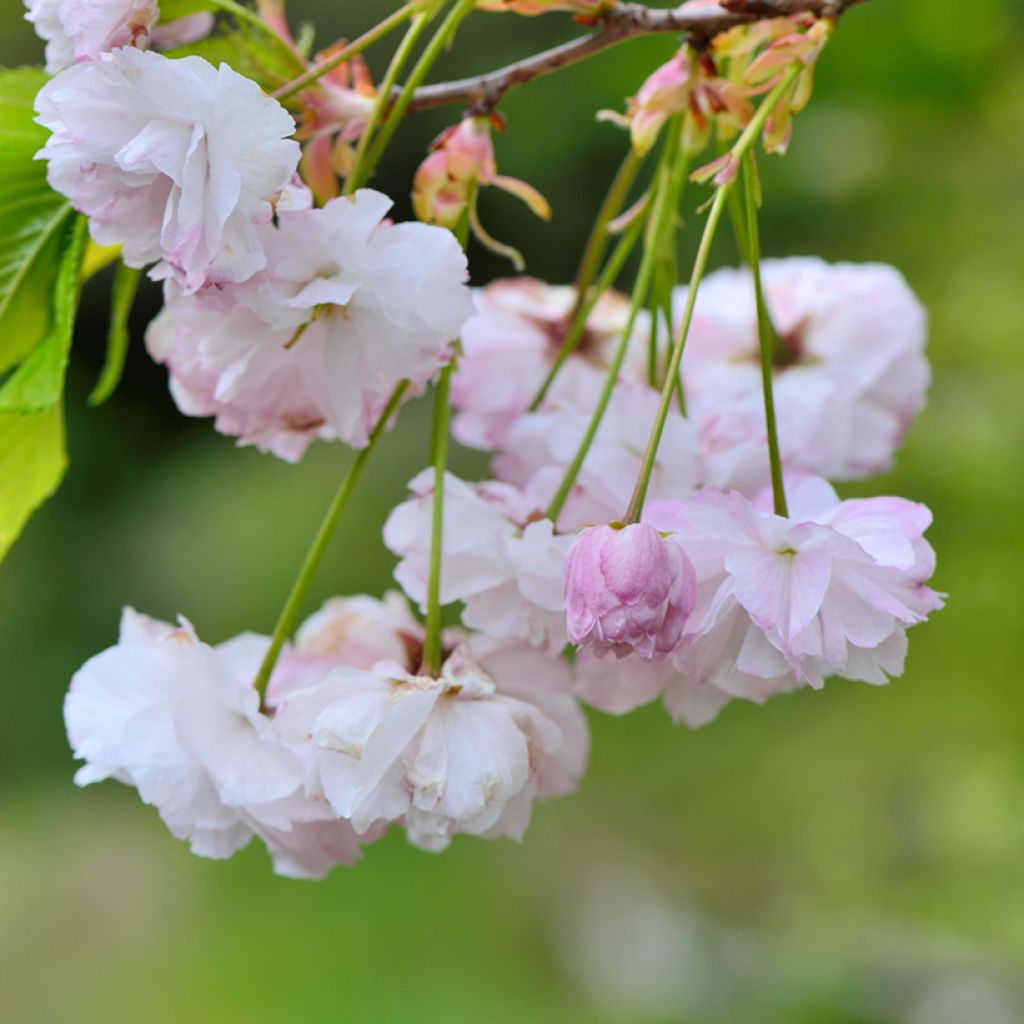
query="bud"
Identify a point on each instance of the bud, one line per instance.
(446, 184)
(628, 590)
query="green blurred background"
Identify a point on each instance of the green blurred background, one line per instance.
(855, 855)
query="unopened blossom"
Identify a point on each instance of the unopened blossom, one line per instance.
(628, 590)
(349, 306)
(510, 345)
(447, 182)
(499, 556)
(442, 756)
(181, 722)
(175, 160)
(78, 30)
(850, 370)
(540, 446)
(787, 602)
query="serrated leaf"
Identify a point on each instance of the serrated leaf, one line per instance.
(39, 381)
(126, 284)
(33, 221)
(32, 463)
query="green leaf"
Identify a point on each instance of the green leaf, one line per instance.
(39, 381)
(126, 284)
(32, 463)
(33, 221)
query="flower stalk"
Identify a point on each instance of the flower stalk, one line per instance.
(765, 332)
(441, 38)
(315, 73)
(661, 217)
(718, 204)
(293, 605)
(359, 173)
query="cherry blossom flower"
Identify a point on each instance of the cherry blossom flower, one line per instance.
(628, 591)
(349, 306)
(783, 603)
(349, 632)
(180, 721)
(77, 30)
(173, 159)
(620, 685)
(498, 557)
(850, 378)
(456, 754)
(511, 343)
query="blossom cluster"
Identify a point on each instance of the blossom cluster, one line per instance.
(592, 567)
(351, 737)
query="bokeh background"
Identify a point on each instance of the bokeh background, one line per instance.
(855, 855)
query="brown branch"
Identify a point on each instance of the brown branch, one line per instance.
(626, 21)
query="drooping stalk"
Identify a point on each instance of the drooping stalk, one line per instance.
(432, 647)
(293, 605)
(357, 175)
(441, 38)
(439, 460)
(739, 150)
(765, 332)
(368, 38)
(597, 241)
(661, 218)
(617, 260)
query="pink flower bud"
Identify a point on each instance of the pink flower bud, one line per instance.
(628, 589)
(445, 186)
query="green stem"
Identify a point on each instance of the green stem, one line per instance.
(661, 217)
(293, 605)
(398, 61)
(439, 41)
(315, 73)
(765, 332)
(718, 203)
(578, 327)
(597, 241)
(439, 460)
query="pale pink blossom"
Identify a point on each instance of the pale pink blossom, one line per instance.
(443, 756)
(540, 446)
(349, 632)
(498, 557)
(349, 306)
(509, 346)
(78, 30)
(783, 603)
(181, 722)
(619, 685)
(175, 160)
(628, 590)
(851, 378)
